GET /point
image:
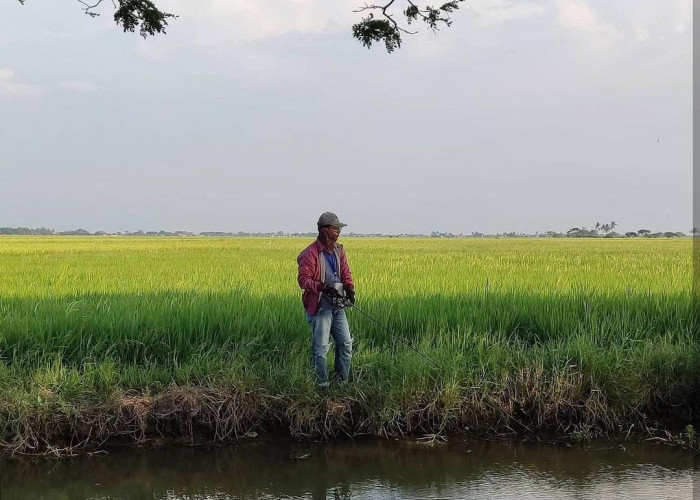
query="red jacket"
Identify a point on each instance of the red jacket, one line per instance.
(312, 271)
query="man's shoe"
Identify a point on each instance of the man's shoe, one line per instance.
(324, 385)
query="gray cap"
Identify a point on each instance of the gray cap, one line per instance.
(329, 219)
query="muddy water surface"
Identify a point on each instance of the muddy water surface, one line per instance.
(362, 470)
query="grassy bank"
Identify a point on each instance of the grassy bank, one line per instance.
(143, 336)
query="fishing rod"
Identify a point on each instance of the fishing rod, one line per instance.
(403, 340)
(343, 302)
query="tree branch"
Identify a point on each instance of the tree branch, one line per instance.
(389, 17)
(132, 14)
(88, 8)
(388, 30)
(144, 15)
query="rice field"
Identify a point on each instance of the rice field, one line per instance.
(101, 336)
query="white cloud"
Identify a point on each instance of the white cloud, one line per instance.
(10, 88)
(493, 13)
(77, 86)
(217, 21)
(577, 15)
(628, 20)
(153, 49)
(641, 34)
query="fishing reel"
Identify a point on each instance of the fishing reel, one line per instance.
(338, 297)
(341, 302)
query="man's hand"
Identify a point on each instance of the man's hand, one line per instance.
(350, 295)
(330, 292)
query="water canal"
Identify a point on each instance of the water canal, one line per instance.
(267, 469)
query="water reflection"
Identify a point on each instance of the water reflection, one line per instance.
(354, 470)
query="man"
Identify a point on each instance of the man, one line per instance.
(324, 275)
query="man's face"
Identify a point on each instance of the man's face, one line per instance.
(330, 234)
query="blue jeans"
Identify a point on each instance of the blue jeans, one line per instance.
(324, 323)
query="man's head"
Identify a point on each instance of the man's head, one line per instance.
(329, 227)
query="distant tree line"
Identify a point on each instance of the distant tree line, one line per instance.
(26, 230)
(82, 232)
(605, 230)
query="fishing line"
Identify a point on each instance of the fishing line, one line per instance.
(342, 302)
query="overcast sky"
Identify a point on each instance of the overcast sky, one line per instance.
(259, 115)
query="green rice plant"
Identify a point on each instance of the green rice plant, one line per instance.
(539, 330)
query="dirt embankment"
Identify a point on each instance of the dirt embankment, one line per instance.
(199, 413)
